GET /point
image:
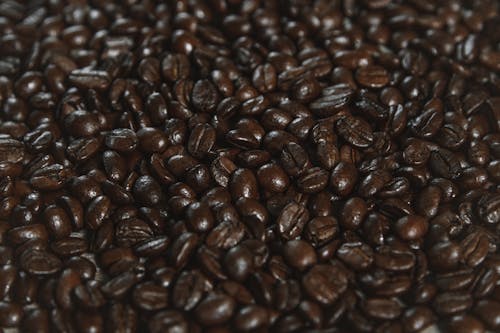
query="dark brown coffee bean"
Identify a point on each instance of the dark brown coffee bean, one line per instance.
(372, 76)
(97, 211)
(321, 229)
(417, 318)
(488, 311)
(465, 323)
(353, 213)
(294, 159)
(122, 318)
(264, 78)
(474, 248)
(81, 123)
(325, 283)
(445, 164)
(37, 262)
(251, 317)
(355, 131)
(299, 254)
(411, 227)
(57, 221)
(188, 290)
(272, 178)
(343, 179)
(150, 297)
(199, 217)
(88, 296)
(201, 140)
(313, 180)
(452, 303)
(334, 99)
(50, 178)
(121, 139)
(205, 96)
(11, 314)
(380, 308)
(243, 183)
(215, 309)
(90, 79)
(489, 209)
(445, 255)
(151, 140)
(292, 220)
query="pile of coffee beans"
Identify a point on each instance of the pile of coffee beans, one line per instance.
(250, 166)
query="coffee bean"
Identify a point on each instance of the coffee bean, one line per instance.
(272, 178)
(321, 229)
(372, 76)
(93, 79)
(411, 227)
(325, 283)
(489, 209)
(292, 220)
(151, 140)
(465, 323)
(334, 99)
(355, 131)
(452, 303)
(121, 139)
(39, 262)
(417, 318)
(251, 317)
(168, 321)
(299, 254)
(380, 308)
(205, 96)
(188, 290)
(344, 178)
(215, 309)
(243, 183)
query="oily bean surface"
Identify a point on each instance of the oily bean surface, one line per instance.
(249, 166)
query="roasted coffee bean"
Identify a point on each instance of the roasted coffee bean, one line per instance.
(355, 131)
(299, 254)
(243, 183)
(452, 303)
(292, 220)
(475, 248)
(215, 309)
(489, 209)
(321, 229)
(445, 164)
(372, 76)
(272, 178)
(380, 308)
(445, 255)
(343, 179)
(417, 318)
(465, 323)
(90, 79)
(39, 262)
(411, 227)
(325, 283)
(151, 140)
(188, 290)
(357, 255)
(488, 311)
(121, 139)
(334, 99)
(353, 213)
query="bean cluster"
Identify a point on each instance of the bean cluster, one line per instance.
(250, 166)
